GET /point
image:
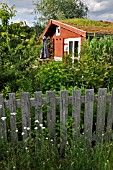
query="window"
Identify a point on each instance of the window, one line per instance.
(57, 31)
(74, 48)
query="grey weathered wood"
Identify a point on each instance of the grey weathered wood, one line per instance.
(38, 112)
(26, 117)
(13, 125)
(76, 108)
(38, 106)
(110, 118)
(101, 110)
(63, 118)
(88, 115)
(51, 113)
(57, 100)
(3, 128)
(76, 100)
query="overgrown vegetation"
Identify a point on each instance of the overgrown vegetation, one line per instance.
(42, 153)
(20, 72)
(90, 26)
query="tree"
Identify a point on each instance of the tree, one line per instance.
(18, 53)
(6, 13)
(60, 9)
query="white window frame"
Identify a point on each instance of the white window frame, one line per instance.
(57, 33)
(79, 47)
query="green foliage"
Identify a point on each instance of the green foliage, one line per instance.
(44, 154)
(96, 63)
(18, 53)
(6, 13)
(88, 23)
(100, 49)
(58, 9)
(55, 76)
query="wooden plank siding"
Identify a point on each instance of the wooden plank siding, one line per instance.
(104, 114)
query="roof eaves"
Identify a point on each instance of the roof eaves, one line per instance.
(98, 34)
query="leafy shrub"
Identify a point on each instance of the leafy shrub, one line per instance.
(96, 62)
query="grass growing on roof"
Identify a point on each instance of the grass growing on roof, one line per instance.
(88, 25)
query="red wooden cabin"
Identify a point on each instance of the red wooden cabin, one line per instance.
(67, 35)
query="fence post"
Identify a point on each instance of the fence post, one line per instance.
(88, 116)
(51, 113)
(38, 106)
(76, 108)
(63, 118)
(13, 126)
(3, 128)
(101, 110)
(110, 118)
(26, 117)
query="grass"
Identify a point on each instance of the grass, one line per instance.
(43, 154)
(90, 25)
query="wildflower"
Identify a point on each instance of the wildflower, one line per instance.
(107, 161)
(2, 137)
(3, 118)
(41, 125)
(34, 67)
(67, 143)
(46, 138)
(105, 164)
(26, 148)
(25, 127)
(36, 128)
(16, 130)
(51, 140)
(13, 114)
(28, 128)
(82, 77)
(37, 121)
(23, 133)
(72, 163)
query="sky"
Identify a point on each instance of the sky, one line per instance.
(98, 10)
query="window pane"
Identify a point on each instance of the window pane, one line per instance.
(76, 48)
(70, 47)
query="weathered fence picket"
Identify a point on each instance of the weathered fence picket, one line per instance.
(26, 117)
(88, 115)
(101, 110)
(63, 118)
(3, 128)
(76, 108)
(110, 119)
(13, 126)
(51, 113)
(103, 114)
(38, 106)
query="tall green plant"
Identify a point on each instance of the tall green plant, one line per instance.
(96, 62)
(18, 52)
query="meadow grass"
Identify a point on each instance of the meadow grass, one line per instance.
(40, 153)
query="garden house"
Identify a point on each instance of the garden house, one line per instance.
(67, 35)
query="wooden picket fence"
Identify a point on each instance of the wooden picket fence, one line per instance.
(101, 120)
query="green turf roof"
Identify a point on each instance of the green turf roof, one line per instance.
(91, 26)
